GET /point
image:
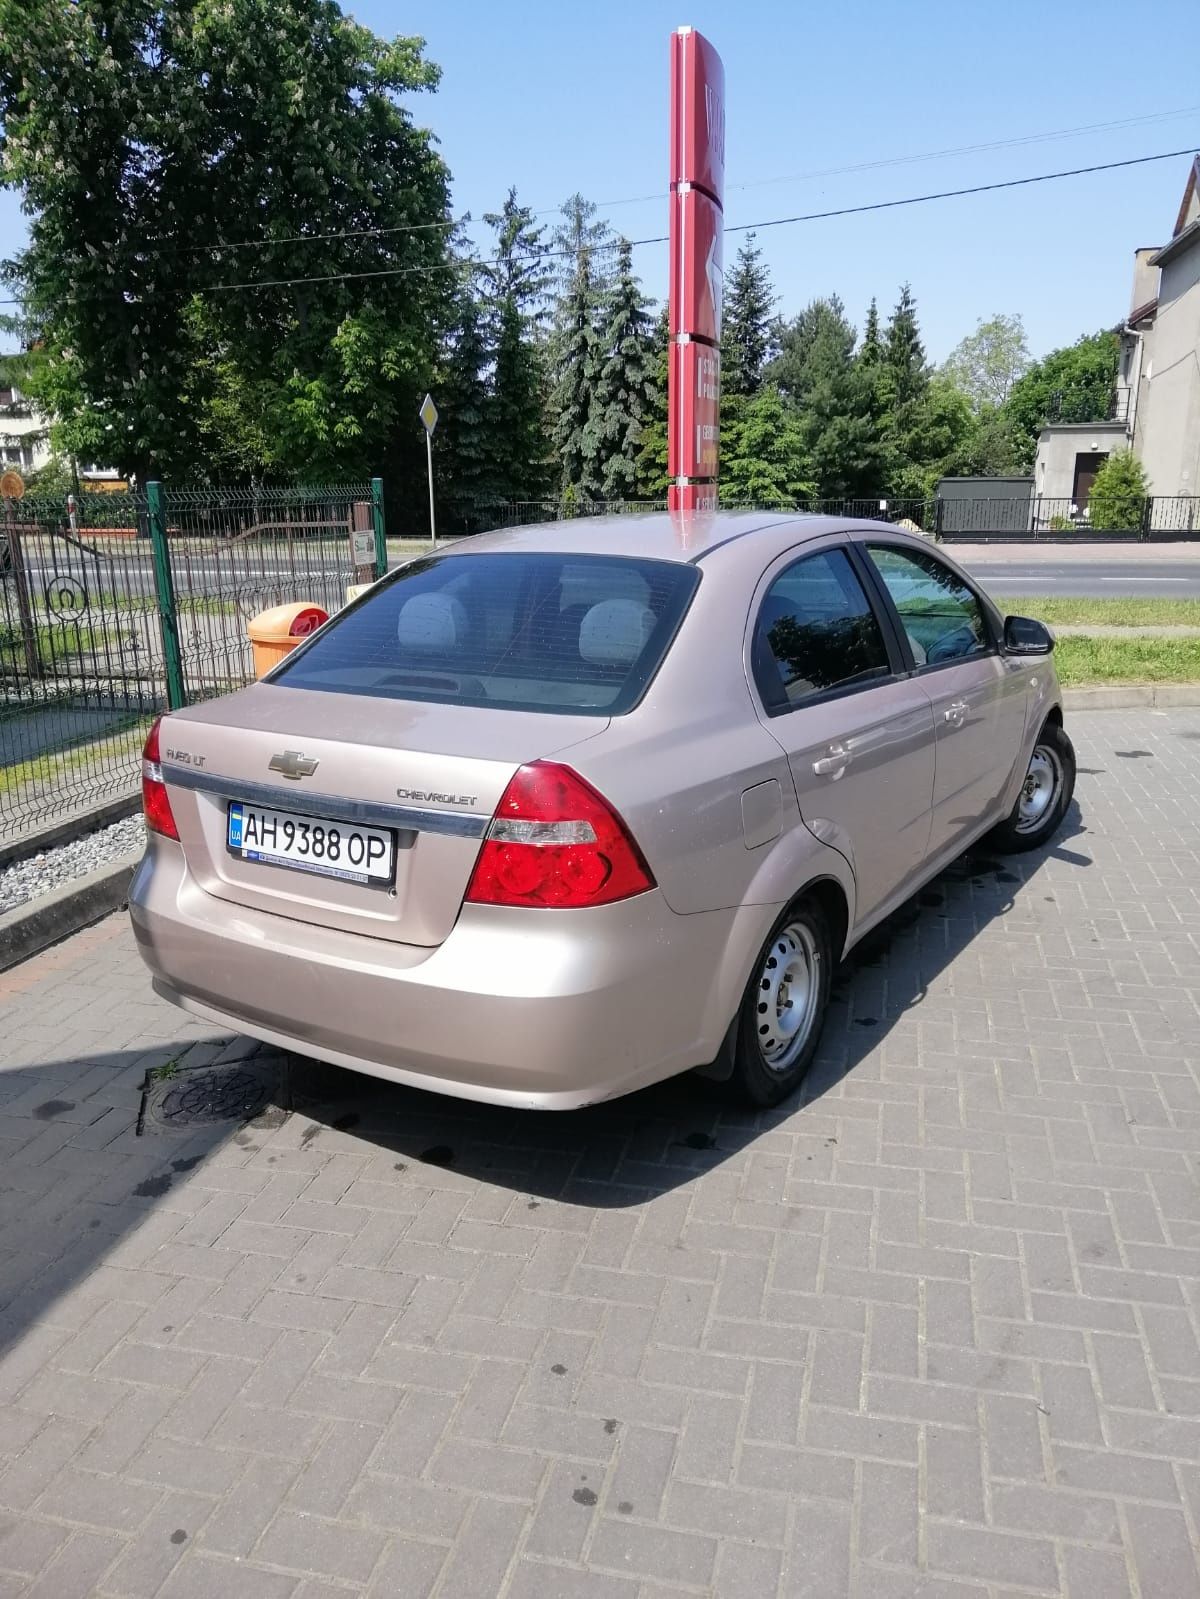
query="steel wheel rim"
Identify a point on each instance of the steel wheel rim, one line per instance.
(788, 995)
(1040, 790)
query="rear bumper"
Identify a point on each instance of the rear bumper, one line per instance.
(542, 1009)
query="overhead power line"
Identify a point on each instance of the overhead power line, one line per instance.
(444, 225)
(741, 227)
(473, 263)
(954, 194)
(927, 155)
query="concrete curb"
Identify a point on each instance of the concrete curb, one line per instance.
(1131, 696)
(28, 929)
(71, 828)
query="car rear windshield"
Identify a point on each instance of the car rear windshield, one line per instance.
(531, 632)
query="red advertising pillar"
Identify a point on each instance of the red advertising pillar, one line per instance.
(697, 223)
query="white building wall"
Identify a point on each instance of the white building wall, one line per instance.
(1168, 431)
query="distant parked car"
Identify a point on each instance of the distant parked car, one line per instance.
(568, 809)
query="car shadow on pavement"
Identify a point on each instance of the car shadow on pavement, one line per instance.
(107, 1172)
(630, 1150)
(889, 972)
(81, 1190)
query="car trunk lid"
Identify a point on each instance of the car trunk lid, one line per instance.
(393, 765)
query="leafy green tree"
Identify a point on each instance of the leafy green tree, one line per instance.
(148, 141)
(762, 451)
(576, 366)
(925, 439)
(1074, 384)
(747, 322)
(905, 371)
(1119, 494)
(987, 363)
(624, 393)
(989, 448)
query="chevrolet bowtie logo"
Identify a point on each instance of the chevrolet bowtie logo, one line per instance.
(292, 764)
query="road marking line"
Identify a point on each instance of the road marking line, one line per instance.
(1147, 580)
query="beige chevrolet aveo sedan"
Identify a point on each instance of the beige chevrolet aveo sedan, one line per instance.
(568, 809)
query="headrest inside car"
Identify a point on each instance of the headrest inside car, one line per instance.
(614, 633)
(432, 622)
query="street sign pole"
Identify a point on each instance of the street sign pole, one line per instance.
(429, 420)
(429, 462)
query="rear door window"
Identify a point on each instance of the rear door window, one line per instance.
(816, 633)
(539, 632)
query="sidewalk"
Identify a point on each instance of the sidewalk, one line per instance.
(933, 1333)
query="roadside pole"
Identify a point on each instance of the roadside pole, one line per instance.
(12, 488)
(429, 418)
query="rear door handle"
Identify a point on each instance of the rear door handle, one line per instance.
(833, 764)
(956, 712)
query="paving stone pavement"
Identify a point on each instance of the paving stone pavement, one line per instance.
(932, 1332)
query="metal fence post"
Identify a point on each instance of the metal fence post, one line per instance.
(381, 558)
(164, 588)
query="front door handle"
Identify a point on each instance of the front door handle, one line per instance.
(834, 763)
(956, 712)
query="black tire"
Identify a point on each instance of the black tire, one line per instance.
(1038, 812)
(767, 1065)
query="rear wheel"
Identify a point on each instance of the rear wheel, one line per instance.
(779, 1025)
(1046, 792)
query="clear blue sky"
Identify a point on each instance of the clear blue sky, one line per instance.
(556, 96)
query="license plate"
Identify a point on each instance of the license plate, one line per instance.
(344, 850)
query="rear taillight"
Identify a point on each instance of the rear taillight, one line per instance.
(155, 802)
(554, 842)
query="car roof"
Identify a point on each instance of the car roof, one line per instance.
(686, 537)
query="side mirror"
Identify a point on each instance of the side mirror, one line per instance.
(1025, 636)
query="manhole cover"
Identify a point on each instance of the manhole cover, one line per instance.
(223, 1094)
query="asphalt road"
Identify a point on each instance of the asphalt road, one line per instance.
(1004, 569)
(1084, 571)
(1166, 579)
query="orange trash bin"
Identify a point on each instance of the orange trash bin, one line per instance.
(276, 632)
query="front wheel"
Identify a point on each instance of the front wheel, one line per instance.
(1046, 792)
(779, 1024)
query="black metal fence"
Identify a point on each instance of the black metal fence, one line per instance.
(122, 605)
(136, 602)
(1019, 518)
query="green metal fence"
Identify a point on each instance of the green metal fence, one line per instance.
(114, 607)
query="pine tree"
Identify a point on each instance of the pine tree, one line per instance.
(624, 390)
(907, 371)
(467, 447)
(580, 230)
(1117, 502)
(575, 346)
(834, 393)
(516, 284)
(748, 322)
(652, 455)
(519, 270)
(817, 344)
(870, 351)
